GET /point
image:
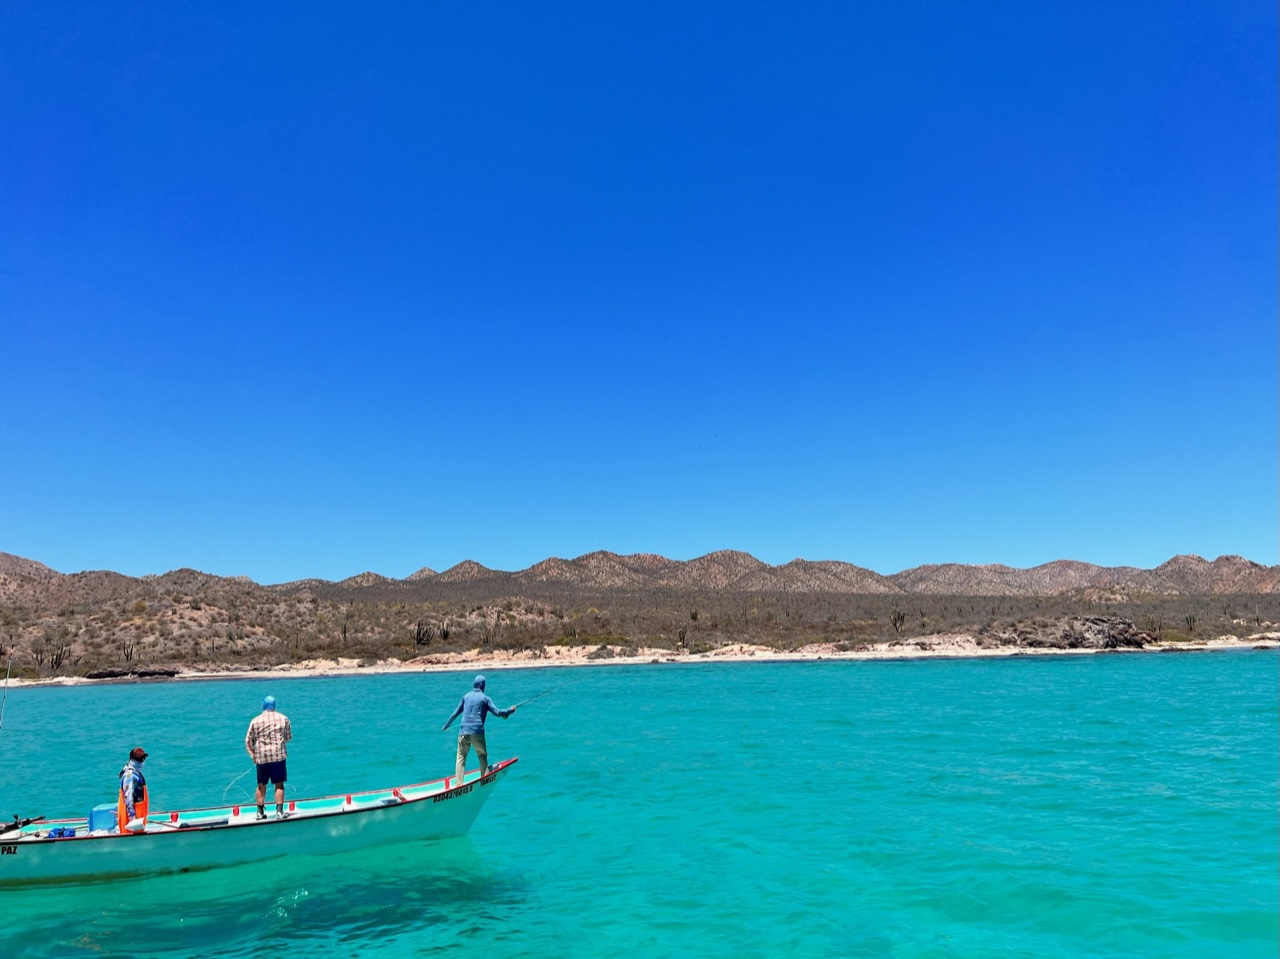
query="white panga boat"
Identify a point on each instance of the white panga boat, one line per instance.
(70, 850)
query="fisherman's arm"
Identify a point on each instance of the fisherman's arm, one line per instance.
(500, 713)
(249, 740)
(456, 713)
(126, 788)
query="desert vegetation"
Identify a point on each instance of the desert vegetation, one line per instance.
(104, 624)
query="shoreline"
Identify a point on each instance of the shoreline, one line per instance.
(947, 646)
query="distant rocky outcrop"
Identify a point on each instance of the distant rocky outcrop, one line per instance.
(1071, 632)
(155, 672)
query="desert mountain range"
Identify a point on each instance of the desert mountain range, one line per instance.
(735, 572)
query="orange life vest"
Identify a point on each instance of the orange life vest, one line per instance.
(140, 801)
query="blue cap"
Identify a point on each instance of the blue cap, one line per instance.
(479, 683)
(268, 702)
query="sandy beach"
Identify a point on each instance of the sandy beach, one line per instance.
(943, 646)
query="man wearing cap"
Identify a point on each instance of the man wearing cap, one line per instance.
(474, 707)
(266, 742)
(132, 803)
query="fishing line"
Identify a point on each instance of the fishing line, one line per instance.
(548, 711)
(287, 786)
(234, 781)
(543, 693)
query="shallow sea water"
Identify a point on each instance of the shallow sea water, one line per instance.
(1058, 806)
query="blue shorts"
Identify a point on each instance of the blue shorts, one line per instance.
(272, 772)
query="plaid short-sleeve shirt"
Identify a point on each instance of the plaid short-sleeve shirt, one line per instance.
(267, 736)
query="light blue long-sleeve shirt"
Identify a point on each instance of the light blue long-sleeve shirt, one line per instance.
(474, 707)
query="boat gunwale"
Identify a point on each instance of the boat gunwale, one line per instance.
(34, 839)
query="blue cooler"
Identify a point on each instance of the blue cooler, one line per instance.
(104, 818)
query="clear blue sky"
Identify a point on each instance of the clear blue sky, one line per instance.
(306, 289)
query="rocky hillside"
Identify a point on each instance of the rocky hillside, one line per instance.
(84, 623)
(725, 571)
(733, 571)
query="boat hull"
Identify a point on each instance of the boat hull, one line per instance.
(228, 836)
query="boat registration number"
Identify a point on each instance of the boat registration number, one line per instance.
(460, 791)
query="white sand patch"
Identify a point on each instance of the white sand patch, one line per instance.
(923, 647)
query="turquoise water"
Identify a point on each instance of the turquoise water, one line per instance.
(1120, 805)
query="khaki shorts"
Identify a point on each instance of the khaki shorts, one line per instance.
(465, 742)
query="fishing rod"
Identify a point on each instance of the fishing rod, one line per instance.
(5, 697)
(523, 702)
(18, 823)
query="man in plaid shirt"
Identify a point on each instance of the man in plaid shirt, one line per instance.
(266, 742)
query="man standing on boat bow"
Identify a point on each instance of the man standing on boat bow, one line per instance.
(266, 742)
(474, 707)
(131, 805)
